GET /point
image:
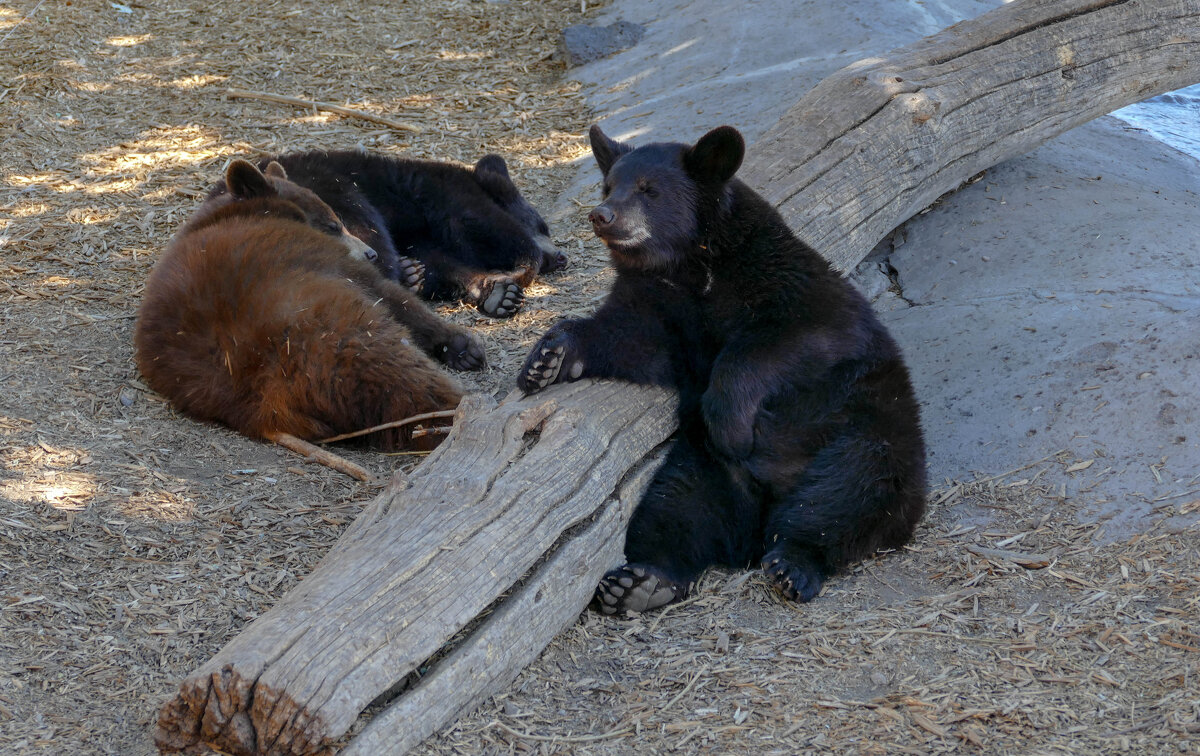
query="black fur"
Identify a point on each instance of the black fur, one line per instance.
(800, 445)
(443, 230)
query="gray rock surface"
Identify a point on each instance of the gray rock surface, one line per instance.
(1055, 306)
(581, 43)
(1052, 306)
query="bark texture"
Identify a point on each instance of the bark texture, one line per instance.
(880, 140)
(525, 500)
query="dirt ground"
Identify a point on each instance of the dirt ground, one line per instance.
(135, 543)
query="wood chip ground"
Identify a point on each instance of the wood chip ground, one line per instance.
(135, 543)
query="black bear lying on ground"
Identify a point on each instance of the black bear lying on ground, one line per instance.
(445, 231)
(800, 444)
(264, 314)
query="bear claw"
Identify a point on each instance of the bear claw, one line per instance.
(411, 274)
(635, 589)
(544, 370)
(555, 358)
(463, 352)
(799, 582)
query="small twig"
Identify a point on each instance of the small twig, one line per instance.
(562, 738)
(670, 608)
(1028, 561)
(386, 426)
(327, 106)
(691, 684)
(1153, 722)
(28, 16)
(1046, 458)
(317, 454)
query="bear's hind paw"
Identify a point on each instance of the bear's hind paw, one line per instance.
(798, 580)
(411, 274)
(500, 299)
(463, 352)
(635, 588)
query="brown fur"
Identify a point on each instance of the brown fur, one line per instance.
(258, 317)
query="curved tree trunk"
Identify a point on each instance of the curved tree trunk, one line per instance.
(495, 543)
(880, 140)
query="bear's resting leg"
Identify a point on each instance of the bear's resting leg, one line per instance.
(851, 500)
(693, 516)
(446, 342)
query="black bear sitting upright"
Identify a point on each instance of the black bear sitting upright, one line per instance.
(443, 230)
(800, 442)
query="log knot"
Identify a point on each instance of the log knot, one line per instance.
(891, 83)
(922, 105)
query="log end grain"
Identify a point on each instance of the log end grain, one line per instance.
(226, 712)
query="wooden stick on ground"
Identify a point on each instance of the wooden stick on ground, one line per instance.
(246, 94)
(386, 426)
(319, 455)
(1027, 560)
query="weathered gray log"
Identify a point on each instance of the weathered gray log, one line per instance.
(512, 636)
(525, 482)
(880, 140)
(536, 481)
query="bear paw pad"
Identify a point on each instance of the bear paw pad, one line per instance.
(463, 352)
(635, 588)
(501, 299)
(542, 368)
(411, 274)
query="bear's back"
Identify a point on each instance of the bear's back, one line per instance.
(224, 299)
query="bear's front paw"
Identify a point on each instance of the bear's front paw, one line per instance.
(463, 352)
(636, 588)
(546, 363)
(499, 297)
(798, 579)
(410, 273)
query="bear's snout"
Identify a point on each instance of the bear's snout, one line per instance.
(602, 217)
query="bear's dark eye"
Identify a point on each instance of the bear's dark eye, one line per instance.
(606, 189)
(645, 188)
(334, 228)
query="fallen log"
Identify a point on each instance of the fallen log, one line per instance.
(878, 141)
(470, 566)
(526, 500)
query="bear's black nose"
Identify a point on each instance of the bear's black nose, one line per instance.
(601, 216)
(370, 254)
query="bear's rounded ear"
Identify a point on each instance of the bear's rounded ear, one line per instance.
(244, 180)
(275, 170)
(716, 157)
(605, 150)
(492, 164)
(492, 174)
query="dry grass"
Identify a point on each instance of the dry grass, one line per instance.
(135, 543)
(932, 650)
